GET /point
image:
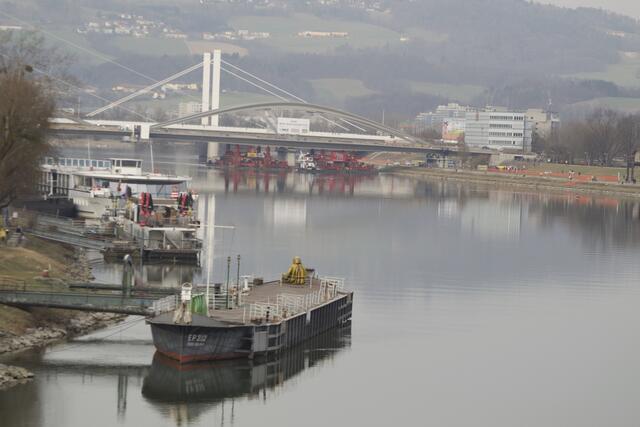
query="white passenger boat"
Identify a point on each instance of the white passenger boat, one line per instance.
(98, 188)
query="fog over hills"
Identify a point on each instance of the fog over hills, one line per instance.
(367, 56)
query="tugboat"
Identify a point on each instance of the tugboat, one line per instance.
(251, 317)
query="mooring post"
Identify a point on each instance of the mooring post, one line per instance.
(127, 275)
(228, 272)
(238, 284)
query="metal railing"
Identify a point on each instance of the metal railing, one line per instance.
(287, 305)
(165, 305)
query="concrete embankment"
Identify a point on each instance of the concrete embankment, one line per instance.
(516, 180)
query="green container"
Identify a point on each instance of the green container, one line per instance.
(199, 304)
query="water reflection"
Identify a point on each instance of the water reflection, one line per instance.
(181, 392)
(234, 181)
(518, 306)
(184, 392)
(483, 214)
(166, 275)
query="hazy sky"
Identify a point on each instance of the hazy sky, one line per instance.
(627, 7)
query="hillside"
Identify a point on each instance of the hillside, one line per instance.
(509, 52)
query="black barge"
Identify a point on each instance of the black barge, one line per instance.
(250, 320)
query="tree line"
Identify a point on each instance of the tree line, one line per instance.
(604, 138)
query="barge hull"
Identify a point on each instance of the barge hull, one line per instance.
(198, 342)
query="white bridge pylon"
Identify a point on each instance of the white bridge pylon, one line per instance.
(211, 86)
(212, 65)
(211, 69)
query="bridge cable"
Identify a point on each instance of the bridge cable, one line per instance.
(144, 90)
(79, 89)
(108, 59)
(297, 98)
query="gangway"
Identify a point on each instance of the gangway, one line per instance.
(79, 301)
(124, 298)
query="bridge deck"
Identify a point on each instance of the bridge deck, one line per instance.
(291, 141)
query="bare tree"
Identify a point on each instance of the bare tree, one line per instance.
(600, 140)
(627, 135)
(567, 144)
(29, 76)
(24, 112)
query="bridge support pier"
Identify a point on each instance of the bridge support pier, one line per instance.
(213, 150)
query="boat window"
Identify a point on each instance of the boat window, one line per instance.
(107, 164)
(100, 163)
(94, 163)
(102, 183)
(75, 162)
(129, 163)
(117, 163)
(81, 163)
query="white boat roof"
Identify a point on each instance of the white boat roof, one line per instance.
(134, 179)
(106, 174)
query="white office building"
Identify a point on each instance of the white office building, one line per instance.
(189, 108)
(498, 129)
(442, 114)
(543, 121)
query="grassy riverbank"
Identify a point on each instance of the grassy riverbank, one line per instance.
(33, 327)
(540, 182)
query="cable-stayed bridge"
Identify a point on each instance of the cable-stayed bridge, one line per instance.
(346, 131)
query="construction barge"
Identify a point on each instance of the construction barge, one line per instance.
(250, 318)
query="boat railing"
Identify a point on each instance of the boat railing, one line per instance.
(78, 163)
(287, 305)
(334, 284)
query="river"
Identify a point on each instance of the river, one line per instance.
(473, 306)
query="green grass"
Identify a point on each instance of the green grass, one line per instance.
(426, 35)
(75, 44)
(629, 105)
(198, 47)
(284, 32)
(624, 73)
(231, 98)
(461, 93)
(584, 170)
(150, 45)
(336, 91)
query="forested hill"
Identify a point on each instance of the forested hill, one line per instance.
(519, 35)
(400, 55)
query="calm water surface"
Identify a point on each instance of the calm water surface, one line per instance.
(473, 306)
